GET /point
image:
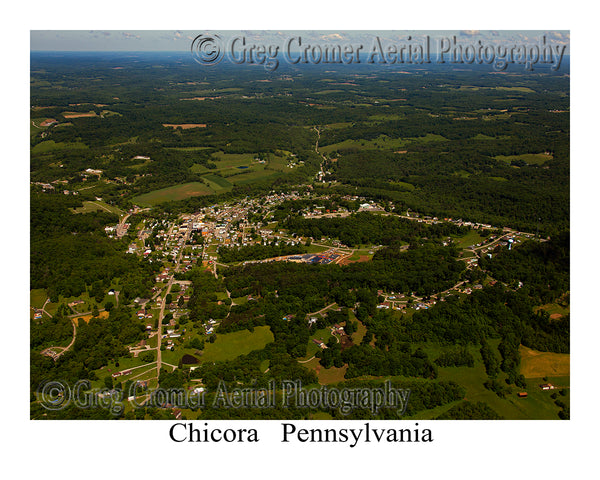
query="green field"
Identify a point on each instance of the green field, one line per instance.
(536, 364)
(188, 149)
(471, 238)
(554, 308)
(50, 145)
(538, 404)
(382, 141)
(37, 297)
(218, 183)
(231, 345)
(177, 192)
(198, 168)
(96, 206)
(233, 160)
(529, 158)
(253, 176)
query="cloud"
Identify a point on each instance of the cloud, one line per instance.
(558, 37)
(469, 33)
(131, 35)
(332, 36)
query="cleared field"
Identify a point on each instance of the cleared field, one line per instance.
(544, 364)
(328, 376)
(198, 168)
(538, 404)
(37, 297)
(87, 318)
(253, 176)
(229, 160)
(471, 238)
(382, 141)
(184, 126)
(555, 310)
(516, 89)
(78, 114)
(188, 149)
(89, 206)
(529, 158)
(49, 145)
(178, 192)
(218, 183)
(232, 345)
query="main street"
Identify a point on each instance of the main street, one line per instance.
(164, 304)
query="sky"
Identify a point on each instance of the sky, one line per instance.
(178, 40)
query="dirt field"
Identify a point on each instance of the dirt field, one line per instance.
(536, 364)
(47, 122)
(362, 258)
(87, 318)
(185, 126)
(78, 115)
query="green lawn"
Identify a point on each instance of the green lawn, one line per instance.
(231, 345)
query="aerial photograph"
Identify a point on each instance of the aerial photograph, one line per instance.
(299, 225)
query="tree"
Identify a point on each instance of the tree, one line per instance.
(147, 357)
(168, 298)
(108, 306)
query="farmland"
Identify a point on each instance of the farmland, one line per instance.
(178, 192)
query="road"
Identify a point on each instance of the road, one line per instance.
(121, 230)
(164, 304)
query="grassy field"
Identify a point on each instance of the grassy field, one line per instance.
(231, 345)
(198, 168)
(37, 297)
(471, 238)
(544, 364)
(50, 145)
(382, 141)
(218, 183)
(177, 192)
(230, 160)
(555, 309)
(254, 176)
(97, 206)
(323, 335)
(188, 149)
(529, 158)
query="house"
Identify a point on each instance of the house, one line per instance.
(547, 386)
(522, 394)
